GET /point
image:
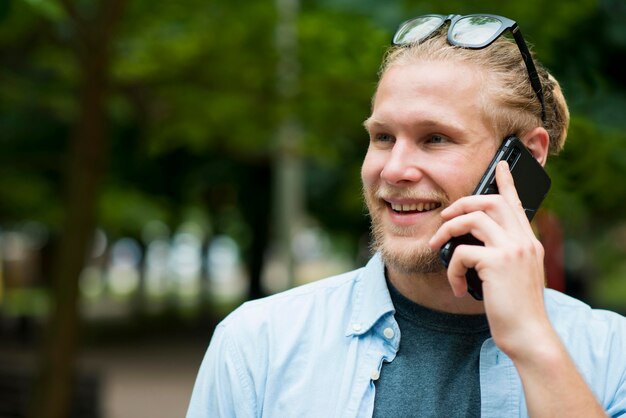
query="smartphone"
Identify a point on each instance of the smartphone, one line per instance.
(532, 184)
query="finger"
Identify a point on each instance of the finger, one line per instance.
(507, 190)
(464, 258)
(493, 205)
(488, 203)
(479, 224)
(506, 185)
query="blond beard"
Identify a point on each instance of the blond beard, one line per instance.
(414, 259)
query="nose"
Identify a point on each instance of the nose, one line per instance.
(403, 164)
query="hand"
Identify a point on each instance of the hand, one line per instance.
(510, 264)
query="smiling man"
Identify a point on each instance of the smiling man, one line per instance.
(401, 336)
(422, 155)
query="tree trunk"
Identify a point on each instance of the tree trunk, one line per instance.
(87, 157)
(256, 209)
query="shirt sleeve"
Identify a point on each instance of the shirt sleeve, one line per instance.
(617, 363)
(618, 408)
(223, 386)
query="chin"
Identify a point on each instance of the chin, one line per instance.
(403, 248)
(406, 257)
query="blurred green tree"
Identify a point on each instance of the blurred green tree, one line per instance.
(88, 36)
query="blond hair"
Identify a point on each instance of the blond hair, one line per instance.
(509, 100)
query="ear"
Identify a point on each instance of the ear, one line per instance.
(538, 141)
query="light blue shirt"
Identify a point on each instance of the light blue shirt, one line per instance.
(315, 351)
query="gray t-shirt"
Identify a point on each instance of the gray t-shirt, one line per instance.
(435, 372)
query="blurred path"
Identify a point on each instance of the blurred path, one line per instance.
(145, 379)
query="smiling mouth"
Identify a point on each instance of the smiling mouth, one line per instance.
(414, 207)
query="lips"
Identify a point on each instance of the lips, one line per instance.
(407, 214)
(406, 206)
(414, 207)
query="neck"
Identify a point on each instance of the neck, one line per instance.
(433, 291)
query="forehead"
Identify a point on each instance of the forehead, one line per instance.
(433, 93)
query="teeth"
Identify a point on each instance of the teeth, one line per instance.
(420, 207)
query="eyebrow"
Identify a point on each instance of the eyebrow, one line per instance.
(455, 130)
(371, 122)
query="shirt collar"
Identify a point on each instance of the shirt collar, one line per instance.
(372, 300)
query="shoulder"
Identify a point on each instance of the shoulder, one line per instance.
(269, 345)
(596, 341)
(567, 312)
(578, 323)
(282, 329)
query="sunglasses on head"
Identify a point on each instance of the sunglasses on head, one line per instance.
(474, 31)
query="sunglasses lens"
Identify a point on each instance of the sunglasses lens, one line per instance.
(475, 30)
(417, 29)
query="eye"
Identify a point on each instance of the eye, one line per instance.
(382, 137)
(437, 139)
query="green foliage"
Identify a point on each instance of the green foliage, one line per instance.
(337, 81)
(338, 78)
(50, 9)
(593, 158)
(200, 78)
(27, 193)
(195, 108)
(126, 211)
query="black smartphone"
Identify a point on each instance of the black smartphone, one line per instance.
(532, 184)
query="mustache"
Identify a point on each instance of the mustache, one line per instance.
(388, 192)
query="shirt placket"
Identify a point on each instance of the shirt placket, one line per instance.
(500, 387)
(382, 342)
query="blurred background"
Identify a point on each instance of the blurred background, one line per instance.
(162, 162)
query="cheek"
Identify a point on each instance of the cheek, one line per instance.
(371, 168)
(462, 175)
(457, 177)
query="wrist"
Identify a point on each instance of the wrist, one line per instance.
(541, 347)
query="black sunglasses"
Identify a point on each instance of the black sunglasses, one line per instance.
(474, 31)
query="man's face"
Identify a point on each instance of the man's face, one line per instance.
(429, 145)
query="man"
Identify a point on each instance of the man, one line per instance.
(401, 336)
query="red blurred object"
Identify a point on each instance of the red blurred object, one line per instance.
(550, 233)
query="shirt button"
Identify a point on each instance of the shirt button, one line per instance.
(388, 332)
(374, 374)
(356, 327)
